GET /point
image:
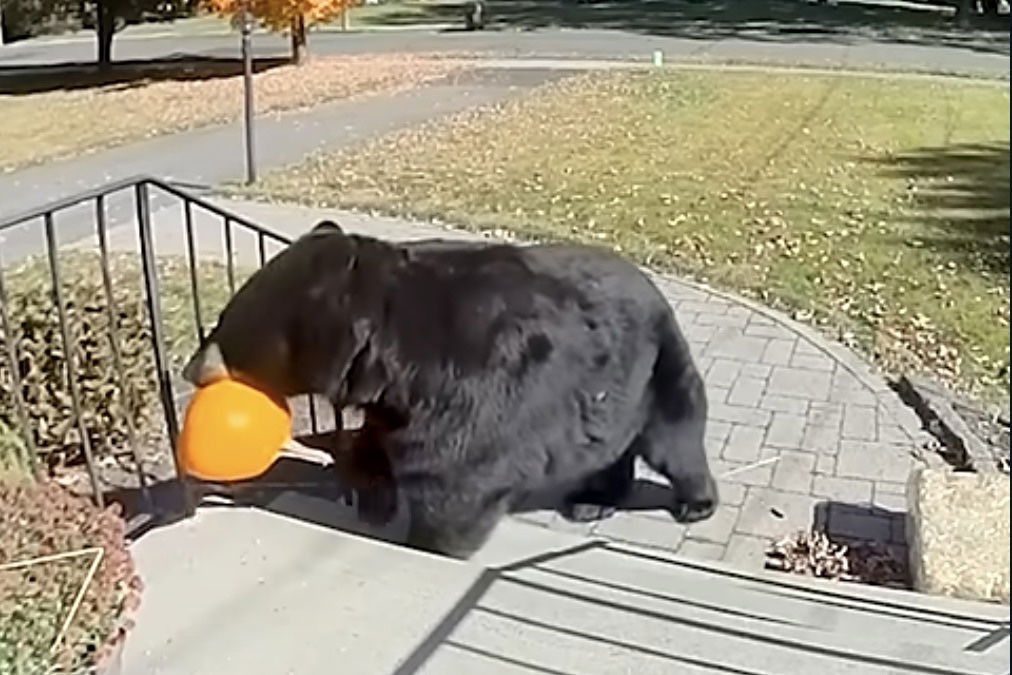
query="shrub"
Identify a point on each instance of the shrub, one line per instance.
(13, 459)
(108, 405)
(43, 519)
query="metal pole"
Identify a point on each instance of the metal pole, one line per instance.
(152, 292)
(76, 401)
(247, 86)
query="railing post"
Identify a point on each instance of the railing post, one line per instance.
(191, 255)
(158, 336)
(117, 353)
(229, 256)
(140, 187)
(68, 353)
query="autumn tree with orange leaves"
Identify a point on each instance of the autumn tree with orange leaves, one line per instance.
(291, 16)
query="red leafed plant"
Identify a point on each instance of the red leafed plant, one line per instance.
(60, 610)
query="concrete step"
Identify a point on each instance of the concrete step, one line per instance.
(240, 590)
(616, 610)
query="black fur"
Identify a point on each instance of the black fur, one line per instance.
(498, 369)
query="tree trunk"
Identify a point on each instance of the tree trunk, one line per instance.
(345, 19)
(106, 28)
(299, 49)
(964, 10)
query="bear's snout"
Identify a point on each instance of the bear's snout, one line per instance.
(206, 366)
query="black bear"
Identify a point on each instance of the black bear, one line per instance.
(498, 370)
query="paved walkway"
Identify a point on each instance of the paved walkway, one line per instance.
(803, 433)
(800, 428)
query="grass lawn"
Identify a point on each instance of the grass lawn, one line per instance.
(45, 121)
(875, 208)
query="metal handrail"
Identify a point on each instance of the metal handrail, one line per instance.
(141, 188)
(127, 183)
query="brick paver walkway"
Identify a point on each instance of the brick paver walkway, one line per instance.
(801, 431)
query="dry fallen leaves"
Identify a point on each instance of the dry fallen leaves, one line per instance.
(44, 126)
(814, 553)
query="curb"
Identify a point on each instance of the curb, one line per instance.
(709, 64)
(933, 405)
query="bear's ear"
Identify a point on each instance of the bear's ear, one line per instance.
(327, 227)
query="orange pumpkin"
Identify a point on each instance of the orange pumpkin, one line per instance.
(232, 432)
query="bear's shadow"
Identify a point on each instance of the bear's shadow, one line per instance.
(646, 495)
(314, 494)
(305, 492)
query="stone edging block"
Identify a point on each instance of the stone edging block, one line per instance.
(958, 534)
(932, 403)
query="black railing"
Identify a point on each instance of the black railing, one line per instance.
(94, 219)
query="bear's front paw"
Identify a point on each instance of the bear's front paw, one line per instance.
(377, 505)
